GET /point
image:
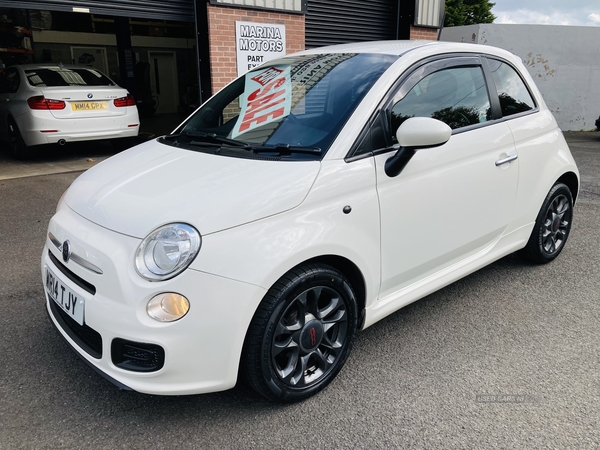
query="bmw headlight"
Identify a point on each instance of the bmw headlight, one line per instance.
(167, 251)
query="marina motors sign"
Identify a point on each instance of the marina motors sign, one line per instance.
(267, 98)
(257, 43)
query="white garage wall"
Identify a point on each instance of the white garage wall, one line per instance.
(563, 60)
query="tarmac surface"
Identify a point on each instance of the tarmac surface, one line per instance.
(79, 156)
(505, 358)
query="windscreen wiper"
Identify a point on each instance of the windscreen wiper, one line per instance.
(285, 149)
(212, 137)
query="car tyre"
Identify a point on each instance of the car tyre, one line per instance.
(552, 226)
(16, 144)
(301, 334)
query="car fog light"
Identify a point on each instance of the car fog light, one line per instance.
(168, 307)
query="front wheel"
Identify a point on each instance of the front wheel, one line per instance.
(301, 334)
(552, 226)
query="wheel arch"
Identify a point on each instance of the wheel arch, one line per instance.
(9, 118)
(4, 125)
(354, 276)
(571, 180)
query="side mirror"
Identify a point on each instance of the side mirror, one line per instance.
(423, 132)
(414, 134)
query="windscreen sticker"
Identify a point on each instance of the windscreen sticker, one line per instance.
(267, 98)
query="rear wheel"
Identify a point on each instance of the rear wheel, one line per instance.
(16, 144)
(301, 334)
(552, 226)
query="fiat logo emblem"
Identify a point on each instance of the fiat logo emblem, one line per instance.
(66, 251)
(89, 95)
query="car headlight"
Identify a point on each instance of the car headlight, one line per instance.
(167, 251)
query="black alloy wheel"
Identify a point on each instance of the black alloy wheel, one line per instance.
(301, 334)
(552, 226)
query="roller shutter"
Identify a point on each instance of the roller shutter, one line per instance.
(179, 10)
(331, 22)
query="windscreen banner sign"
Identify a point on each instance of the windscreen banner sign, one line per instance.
(267, 98)
(257, 43)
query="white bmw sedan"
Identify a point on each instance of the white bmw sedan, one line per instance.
(45, 104)
(308, 199)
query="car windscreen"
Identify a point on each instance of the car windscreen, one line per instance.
(298, 102)
(52, 77)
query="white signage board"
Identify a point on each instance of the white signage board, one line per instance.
(267, 98)
(256, 43)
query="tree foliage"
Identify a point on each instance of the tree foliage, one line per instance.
(468, 12)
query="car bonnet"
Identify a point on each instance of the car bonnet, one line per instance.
(153, 184)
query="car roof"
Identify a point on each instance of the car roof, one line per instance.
(400, 47)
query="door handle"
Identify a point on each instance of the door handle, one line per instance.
(506, 160)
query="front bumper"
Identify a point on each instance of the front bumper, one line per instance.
(201, 351)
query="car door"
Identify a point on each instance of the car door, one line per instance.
(450, 202)
(535, 133)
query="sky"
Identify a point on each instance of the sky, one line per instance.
(550, 12)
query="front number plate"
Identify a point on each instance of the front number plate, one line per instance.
(68, 300)
(89, 106)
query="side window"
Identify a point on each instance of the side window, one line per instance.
(457, 96)
(512, 92)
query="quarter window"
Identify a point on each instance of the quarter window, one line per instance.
(512, 92)
(457, 96)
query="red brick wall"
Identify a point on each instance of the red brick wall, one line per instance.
(221, 34)
(428, 34)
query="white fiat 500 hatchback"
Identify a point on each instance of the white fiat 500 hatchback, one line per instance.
(306, 200)
(49, 103)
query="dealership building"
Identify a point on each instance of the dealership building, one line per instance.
(176, 53)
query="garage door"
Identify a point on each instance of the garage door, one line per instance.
(331, 22)
(180, 10)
